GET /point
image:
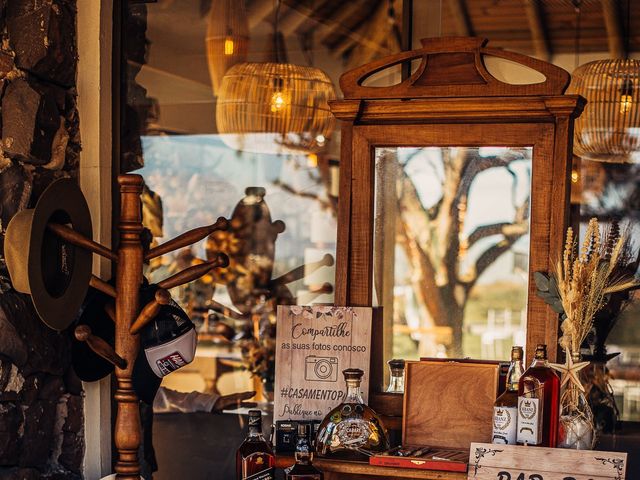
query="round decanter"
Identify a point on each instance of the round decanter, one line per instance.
(352, 430)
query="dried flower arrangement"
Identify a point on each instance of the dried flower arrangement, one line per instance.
(579, 287)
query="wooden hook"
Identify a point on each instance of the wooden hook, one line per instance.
(299, 272)
(103, 286)
(99, 346)
(187, 238)
(110, 308)
(192, 273)
(79, 240)
(150, 310)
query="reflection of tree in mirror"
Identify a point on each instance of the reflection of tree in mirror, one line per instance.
(434, 238)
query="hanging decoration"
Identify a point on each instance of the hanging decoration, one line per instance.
(227, 39)
(609, 128)
(276, 106)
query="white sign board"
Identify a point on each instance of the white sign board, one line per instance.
(489, 461)
(313, 346)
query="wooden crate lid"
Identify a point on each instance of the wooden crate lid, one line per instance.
(448, 404)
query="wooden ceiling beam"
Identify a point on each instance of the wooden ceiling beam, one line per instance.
(293, 19)
(334, 27)
(461, 18)
(378, 31)
(258, 10)
(613, 22)
(539, 33)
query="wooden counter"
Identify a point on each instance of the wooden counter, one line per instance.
(342, 470)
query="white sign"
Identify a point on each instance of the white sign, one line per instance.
(314, 345)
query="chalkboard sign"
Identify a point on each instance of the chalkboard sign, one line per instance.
(314, 345)
(489, 461)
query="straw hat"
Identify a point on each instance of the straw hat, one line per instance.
(55, 273)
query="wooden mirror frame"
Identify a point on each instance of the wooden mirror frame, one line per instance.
(453, 100)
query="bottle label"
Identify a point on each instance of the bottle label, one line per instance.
(261, 461)
(505, 425)
(353, 433)
(529, 425)
(269, 474)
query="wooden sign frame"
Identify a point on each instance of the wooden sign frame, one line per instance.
(488, 461)
(314, 344)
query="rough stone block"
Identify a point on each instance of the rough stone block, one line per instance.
(10, 421)
(12, 344)
(31, 119)
(39, 421)
(49, 351)
(15, 191)
(40, 33)
(6, 63)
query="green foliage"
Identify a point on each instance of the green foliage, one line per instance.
(547, 289)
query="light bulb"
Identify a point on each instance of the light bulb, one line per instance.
(575, 176)
(278, 101)
(228, 46)
(626, 103)
(626, 96)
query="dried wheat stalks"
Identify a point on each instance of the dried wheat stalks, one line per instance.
(587, 276)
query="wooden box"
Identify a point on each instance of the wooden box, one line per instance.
(448, 404)
(424, 459)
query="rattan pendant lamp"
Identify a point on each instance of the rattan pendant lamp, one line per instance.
(227, 39)
(275, 107)
(609, 128)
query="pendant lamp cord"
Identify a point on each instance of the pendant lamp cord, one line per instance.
(627, 33)
(276, 30)
(578, 10)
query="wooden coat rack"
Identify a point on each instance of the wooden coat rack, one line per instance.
(128, 315)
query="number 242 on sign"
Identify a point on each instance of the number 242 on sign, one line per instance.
(522, 476)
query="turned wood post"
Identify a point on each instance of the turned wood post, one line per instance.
(127, 433)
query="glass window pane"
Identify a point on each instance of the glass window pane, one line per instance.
(609, 192)
(451, 248)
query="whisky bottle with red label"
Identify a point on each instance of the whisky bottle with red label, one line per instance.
(352, 430)
(254, 458)
(505, 408)
(538, 403)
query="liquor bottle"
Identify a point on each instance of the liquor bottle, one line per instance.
(303, 468)
(538, 403)
(352, 430)
(254, 458)
(396, 382)
(505, 408)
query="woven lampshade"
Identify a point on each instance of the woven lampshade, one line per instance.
(275, 107)
(227, 39)
(609, 128)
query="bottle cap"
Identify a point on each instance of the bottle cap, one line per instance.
(516, 353)
(353, 374)
(541, 351)
(303, 430)
(255, 418)
(396, 364)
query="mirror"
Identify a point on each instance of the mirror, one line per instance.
(451, 249)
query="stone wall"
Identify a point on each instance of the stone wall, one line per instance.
(41, 418)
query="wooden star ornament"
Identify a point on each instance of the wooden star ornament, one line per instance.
(569, 371)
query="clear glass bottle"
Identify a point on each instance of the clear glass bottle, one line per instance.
(539, 403)
(396, 380)
(505, 408)
(303, 469)
(352, 430)
(254, 458)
